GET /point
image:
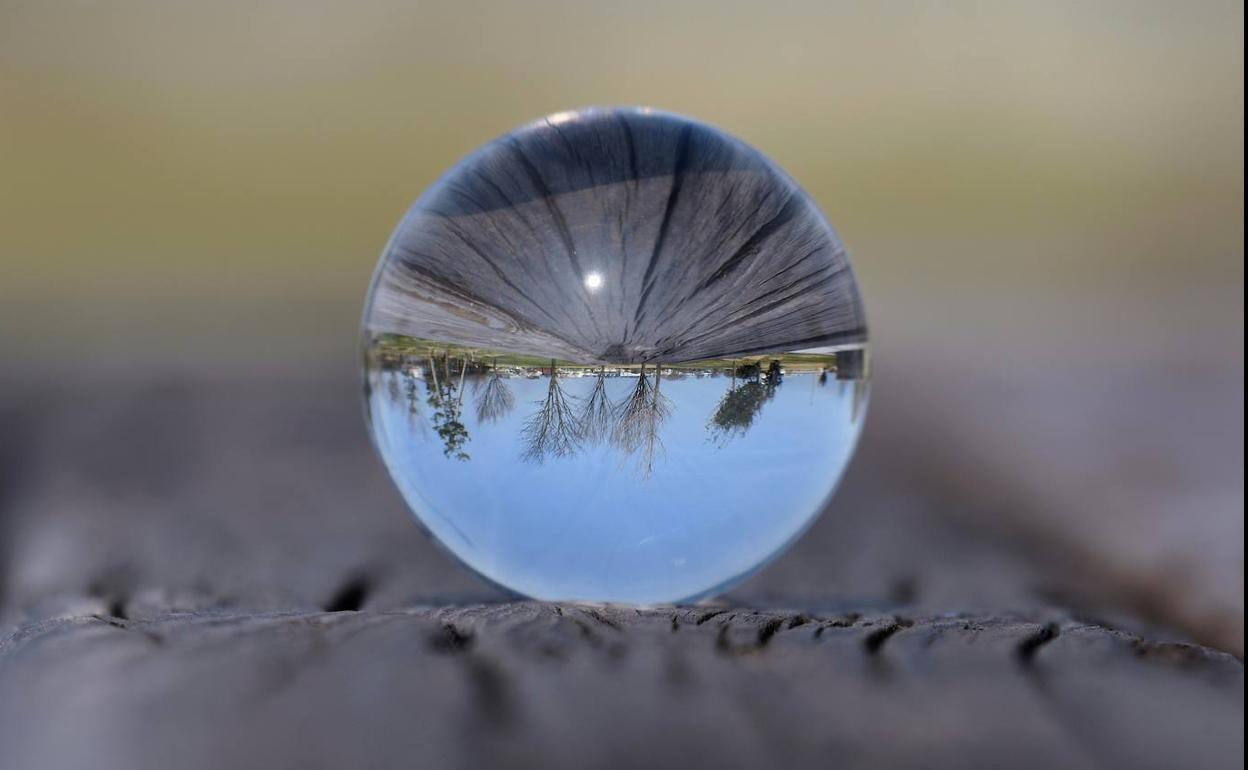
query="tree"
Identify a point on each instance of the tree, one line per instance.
(394, 383)
(447, 403)
(413, 395)
(737, 409)
(596, 414)
(774, 375)
(554, 429)
(748, 371)
(741, 404)
(495, 400)
(638, 419)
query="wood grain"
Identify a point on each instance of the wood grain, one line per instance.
(553, 686)
(216, 573)
(703, 248)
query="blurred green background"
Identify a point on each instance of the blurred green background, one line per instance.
(1044, 202)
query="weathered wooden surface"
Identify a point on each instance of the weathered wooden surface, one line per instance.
(548, 686)
(698, 246)
(217, 574)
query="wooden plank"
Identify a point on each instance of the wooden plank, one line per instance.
(170, 553)
(698, 247)
(536, 685)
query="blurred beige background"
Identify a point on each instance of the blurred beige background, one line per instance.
(1044, 202)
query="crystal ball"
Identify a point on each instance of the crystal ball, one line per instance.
(616, 355)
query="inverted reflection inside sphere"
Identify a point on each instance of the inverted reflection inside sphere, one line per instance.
(615, 355)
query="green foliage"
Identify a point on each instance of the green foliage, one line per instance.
(738, 408)
(447, 408)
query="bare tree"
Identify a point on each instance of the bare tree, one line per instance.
(495, 400)
(660, 410)
(596, 414)
(638, 419)
(555, 428)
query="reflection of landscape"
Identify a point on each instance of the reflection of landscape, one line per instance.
(616, 354)
(615, 236)
(584, 406)
(635, 482)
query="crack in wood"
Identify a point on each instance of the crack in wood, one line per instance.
(350, 597)
(873, 642)
(452, 640)
(1031, 645)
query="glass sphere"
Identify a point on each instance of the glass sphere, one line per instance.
(615, 355)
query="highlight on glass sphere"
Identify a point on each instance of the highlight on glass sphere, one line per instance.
(616, 355)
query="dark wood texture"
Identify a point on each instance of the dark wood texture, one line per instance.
(703, 249)
(549, 686)
(216, 573)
